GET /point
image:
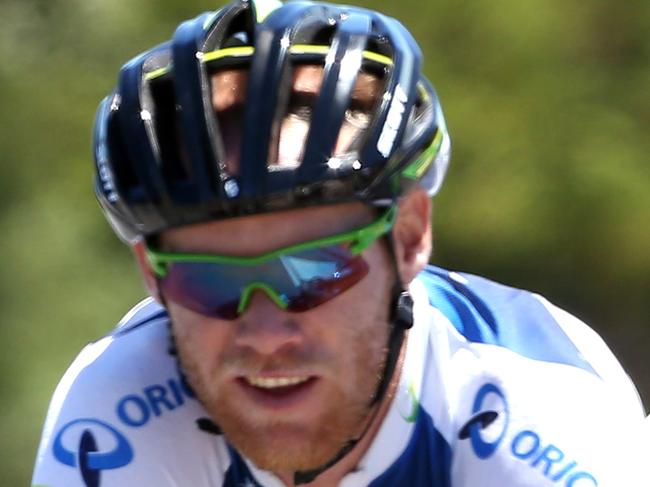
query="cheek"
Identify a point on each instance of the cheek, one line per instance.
(356, 322)
(372, 294)
(200, 340)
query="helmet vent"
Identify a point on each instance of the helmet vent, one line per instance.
(123, 170)
(173, 157)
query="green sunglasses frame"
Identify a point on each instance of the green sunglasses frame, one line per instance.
(359, 239)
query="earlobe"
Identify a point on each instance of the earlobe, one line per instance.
(412, 234)
(150, 282)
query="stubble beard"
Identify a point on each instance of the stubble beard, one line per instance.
(279, 444)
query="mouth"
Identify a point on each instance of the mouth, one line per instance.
(272, 383)
(278, 392)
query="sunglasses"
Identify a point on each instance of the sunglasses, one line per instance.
(296, 278)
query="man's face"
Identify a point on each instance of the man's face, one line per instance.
(288, 389)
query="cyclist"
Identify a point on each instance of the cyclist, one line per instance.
(271, 166)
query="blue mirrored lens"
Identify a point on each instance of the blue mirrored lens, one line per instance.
(300, 281)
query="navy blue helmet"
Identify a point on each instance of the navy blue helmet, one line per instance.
(161, 149)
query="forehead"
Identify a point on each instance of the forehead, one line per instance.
(257, 234)
(229, 85)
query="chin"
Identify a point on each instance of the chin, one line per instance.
(287, 443)
(282, 449)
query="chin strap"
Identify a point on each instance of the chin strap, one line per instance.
(401, 320)
(306, 476)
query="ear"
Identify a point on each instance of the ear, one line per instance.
(412, 234)
(150, 282)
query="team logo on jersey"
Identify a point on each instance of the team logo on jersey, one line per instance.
(91, 446)
(414, 405)
(489, 422)
(486, 430)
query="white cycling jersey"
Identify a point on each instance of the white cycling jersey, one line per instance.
(499, 388)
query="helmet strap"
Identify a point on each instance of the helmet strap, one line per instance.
(401, 319)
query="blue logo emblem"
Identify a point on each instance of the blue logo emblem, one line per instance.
(487, 427)
(78, 445)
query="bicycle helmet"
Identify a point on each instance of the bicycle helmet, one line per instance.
(159, 146)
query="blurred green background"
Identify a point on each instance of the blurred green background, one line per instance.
(547, 102)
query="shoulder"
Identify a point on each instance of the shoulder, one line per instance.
(121, 409)
(526, 386)
(482, 311)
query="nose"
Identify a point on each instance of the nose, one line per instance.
(266, 328)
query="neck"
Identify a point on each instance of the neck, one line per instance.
(333, 475)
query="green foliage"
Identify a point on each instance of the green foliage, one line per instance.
(546, 102)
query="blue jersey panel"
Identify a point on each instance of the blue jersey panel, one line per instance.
(426, 461)
(238, 474)
(122, 330)
(486, 312)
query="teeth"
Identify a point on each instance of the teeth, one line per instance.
(273, 382)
